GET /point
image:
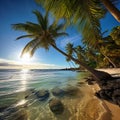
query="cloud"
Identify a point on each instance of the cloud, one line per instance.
(11, 64)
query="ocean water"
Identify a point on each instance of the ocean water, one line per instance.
(15, 85)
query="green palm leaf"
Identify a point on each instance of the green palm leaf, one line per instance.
(24, 36)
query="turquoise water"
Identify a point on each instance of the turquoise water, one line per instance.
(16, 84)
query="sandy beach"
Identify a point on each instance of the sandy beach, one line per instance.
(111, 111)
(90, 107)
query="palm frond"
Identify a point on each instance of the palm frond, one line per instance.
(34, 49)
(24, 36)
(28, 27)
(84, 13)
(56, 35)
(29, 46)
(41, 19)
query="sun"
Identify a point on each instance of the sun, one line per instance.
(25, 59)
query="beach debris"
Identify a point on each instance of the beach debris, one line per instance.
(42, 94)
(56, 106)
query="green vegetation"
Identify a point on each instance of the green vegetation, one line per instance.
(98, 51)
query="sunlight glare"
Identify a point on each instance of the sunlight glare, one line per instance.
(25, 58)
(22, 102)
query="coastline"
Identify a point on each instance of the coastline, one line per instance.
(111, 111)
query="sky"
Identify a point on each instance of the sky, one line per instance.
(18, 11)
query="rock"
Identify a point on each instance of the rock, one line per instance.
(80, 84)
(116, 96)
(3, 108)
(90, 83)
(71, 91)
(102, 94)
(42, 94)
(97, 95)
(110, 90)
(58, 92)
(90, 80)
(56, 106)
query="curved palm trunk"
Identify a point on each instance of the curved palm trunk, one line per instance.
(110, 61)
(112, 9)
(99, 75)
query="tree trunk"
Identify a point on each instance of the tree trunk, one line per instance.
(112, 9)
(99, 75)
(110, 61)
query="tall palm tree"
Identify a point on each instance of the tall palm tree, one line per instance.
(70, 51)
(84, 13)
(112, 9)
(43, 35)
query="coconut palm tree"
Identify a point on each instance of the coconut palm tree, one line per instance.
(115, 34)
(70, 51)
(43, 35)
(112, 9)
(68, 6)
(84, 13)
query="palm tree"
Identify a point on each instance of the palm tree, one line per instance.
(68, 5)
(102, 47)
(70, 51)
(112, 9)
(115, 34)
(44, 35)
(84, 13)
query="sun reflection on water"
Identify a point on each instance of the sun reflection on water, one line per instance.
(24, 76)
(22, 102)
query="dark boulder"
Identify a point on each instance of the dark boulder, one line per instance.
(116, 96)
(58, 92)
(56, 106)
(80, 84)
(90, 80)
(42, 94)
(90, 83)
(71, 91)
(3, 108)
(103, 94)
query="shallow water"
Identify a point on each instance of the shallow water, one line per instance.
(15, 85)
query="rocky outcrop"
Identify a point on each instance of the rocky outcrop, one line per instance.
(110, 88)
(56, 106)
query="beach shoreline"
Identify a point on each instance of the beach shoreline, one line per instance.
(111, 111)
